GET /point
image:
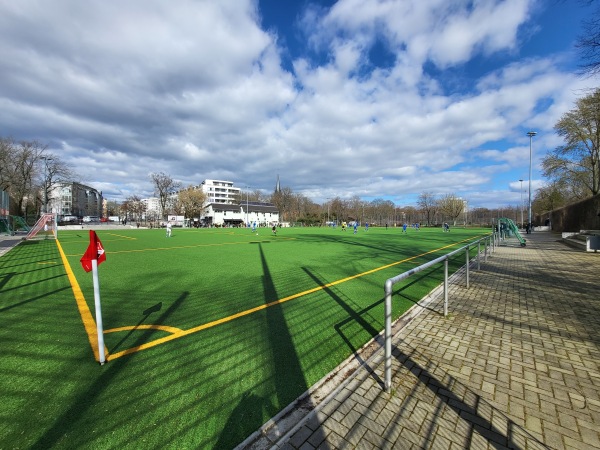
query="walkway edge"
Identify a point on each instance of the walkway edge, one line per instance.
(278, 430)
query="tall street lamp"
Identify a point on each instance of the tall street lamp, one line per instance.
(521, 202)
(531, 134)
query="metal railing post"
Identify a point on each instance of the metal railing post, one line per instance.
(485, 250)
(445, 287)
(467, 265)
(389, 286)
(388, 335)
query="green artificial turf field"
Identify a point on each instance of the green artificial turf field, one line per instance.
(208, 333)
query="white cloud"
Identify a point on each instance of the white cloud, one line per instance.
(198, 90)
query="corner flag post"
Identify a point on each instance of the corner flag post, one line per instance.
(99, 326)
(93, 256)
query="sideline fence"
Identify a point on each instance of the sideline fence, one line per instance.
(489, 241)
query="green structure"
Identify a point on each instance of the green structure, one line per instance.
(19, 224)
(5, 227)
(507, 228)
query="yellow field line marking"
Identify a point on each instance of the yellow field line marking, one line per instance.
(182, 333)
(89, 323)
(124, 237)
(166, 328)
(194, 246)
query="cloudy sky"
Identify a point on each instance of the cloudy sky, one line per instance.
(375, 98)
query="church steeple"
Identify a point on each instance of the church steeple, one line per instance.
(277, 186)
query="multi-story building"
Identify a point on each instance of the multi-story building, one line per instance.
(75, 199)
(218, 191)
(224, 206)
(152, 205)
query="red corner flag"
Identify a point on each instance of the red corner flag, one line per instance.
(94, 251)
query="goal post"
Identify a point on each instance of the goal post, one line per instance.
(44, 228)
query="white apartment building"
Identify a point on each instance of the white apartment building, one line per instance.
(218, 191)
(224, 206)
(152, 205)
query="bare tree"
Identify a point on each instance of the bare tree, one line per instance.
(136, 207)
(164, 187)
(429, 204)
(588, 43)
(411, 214)
(6, 154)
(23, 167)
(355, 208)
(451, 206)
(192, 201)
(29, 173)
(338, 209)
(112, 208)
(283, 200)
(55, 171)
(550, 197)
(578, 161)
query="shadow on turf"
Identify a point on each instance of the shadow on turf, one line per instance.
(146, 314)
(358, 316)
(288, 377)
(64, 424)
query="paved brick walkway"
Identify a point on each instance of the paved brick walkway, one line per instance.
(515, 365)
(8, 242)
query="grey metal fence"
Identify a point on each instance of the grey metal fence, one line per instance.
(490, 242)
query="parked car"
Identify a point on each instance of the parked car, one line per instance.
(88, 219)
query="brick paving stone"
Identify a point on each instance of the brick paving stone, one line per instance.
(516, 364)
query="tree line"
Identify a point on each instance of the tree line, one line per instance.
(29, 172)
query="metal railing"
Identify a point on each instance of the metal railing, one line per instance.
(489, 241)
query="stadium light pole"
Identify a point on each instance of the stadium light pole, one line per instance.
(247, 224)
(531, 134)
(521, 180)
(46, 159)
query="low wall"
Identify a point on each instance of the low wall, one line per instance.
(575, 217)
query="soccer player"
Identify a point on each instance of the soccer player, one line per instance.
(404, 228)
(169, 228)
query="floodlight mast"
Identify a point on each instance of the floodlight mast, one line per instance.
(46, 159)
(531, 134)
(521, 206)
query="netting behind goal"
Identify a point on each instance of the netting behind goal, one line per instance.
(44, 228)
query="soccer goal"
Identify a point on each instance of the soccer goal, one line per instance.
(508, 228)
(44, 228)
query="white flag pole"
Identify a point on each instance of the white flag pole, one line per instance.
(98, 311)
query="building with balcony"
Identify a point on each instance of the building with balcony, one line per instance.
(218, 191)
(75, 200)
